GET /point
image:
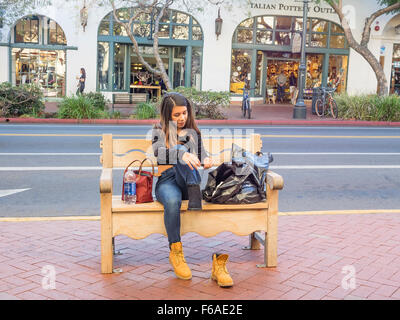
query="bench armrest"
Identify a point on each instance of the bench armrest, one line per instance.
(274, 180)
(106, 181)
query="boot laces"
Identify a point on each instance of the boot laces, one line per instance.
(180, 257)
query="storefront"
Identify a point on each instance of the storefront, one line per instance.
(262, 49)
(180, 48)
(38, 55)
(259, 40)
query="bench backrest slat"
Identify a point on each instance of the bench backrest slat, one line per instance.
(118, 153)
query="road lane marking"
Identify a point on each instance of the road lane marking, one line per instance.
(49, 154)
(5, 193)
(338, 212)
(296, 213)
(143, 135)
(68, 218)
(274, 153)
(289, 167)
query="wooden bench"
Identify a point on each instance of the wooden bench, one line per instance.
(259, 220)
(128, 98)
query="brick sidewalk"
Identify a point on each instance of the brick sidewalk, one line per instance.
(312, 252)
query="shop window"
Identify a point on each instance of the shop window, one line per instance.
(319, 25)
(337, 74)
(104, 28)
(298, 24)
(264, 37)
(196, 68)
(395, 81)
(338, 41)
(56, 34)
(245, 36)
(259, 73)
(240, 69)
(163, 31)
(314, 70)
(319, 40)
(282, 38)
(27, 30)
(174, 25)
(197, 34)
(179, 67)
(247, 23)
(265, 23)
(103, 51)
(336, 28)
(119, 30)
(283, 23)
(119, 67)
(139, 75)
(123, 14)
(45, 68)
(180, 18)
(180, 32)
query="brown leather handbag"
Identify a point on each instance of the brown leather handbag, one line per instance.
(144, 183)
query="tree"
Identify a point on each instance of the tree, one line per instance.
(158, 9)
(387, 7)
(10, 10)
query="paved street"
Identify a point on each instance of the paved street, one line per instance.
(53, 171)
(324, 168)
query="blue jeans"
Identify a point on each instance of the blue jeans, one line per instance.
(171, 189)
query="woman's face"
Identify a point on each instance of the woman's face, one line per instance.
(180, 115)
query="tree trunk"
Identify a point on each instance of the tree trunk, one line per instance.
(376, 67)
(362, 48)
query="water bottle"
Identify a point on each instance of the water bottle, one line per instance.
(130, 186)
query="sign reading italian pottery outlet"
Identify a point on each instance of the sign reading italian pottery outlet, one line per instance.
(290, 8)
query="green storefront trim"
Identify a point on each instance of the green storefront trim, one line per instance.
(254, 47)
(145, 41)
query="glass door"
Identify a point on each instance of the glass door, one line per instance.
(179, 67)
(395, 81)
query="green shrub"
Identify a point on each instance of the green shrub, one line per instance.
(369, 107)
(99, 100)
(146, 110)
(22, 100)
(80, 107)
(115, 115)
(207, 104)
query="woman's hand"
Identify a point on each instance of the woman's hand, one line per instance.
(191, 160)
(208, 163)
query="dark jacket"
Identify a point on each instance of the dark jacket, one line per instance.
(187, 143)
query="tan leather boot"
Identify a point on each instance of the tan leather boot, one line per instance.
(219, 271)
(178, 262)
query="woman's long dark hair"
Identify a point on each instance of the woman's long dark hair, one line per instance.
(83, 72)
(169, 101)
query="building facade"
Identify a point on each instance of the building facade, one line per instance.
(259, 40)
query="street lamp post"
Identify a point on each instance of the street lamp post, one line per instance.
(300, 110)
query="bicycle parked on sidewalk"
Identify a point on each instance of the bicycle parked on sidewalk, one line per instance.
(326, 104)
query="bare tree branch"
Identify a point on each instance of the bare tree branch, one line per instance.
(366, 35)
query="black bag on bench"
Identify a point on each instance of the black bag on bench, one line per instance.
(242, 182)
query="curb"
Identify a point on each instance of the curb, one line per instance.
(354, 123)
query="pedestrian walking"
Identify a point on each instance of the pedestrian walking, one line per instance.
(82, 81)
(281, 82)
(293, 87)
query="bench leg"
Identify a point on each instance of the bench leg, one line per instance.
(106, 234)
(271, 238)
(254, 244)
